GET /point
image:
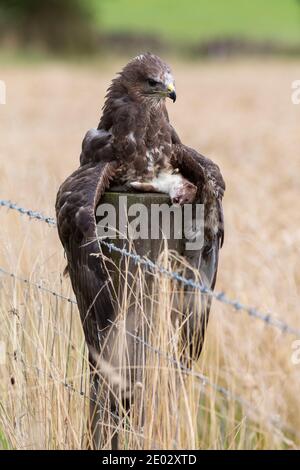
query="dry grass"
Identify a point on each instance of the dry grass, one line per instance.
(239, 114)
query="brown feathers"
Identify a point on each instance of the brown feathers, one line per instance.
(134, 142)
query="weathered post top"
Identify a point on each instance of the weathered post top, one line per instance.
(140, 222)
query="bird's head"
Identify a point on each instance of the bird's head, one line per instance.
(149, 77)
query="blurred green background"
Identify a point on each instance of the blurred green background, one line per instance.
(189, 26)
(191, 20)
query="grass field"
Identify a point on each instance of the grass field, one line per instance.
(238, 113)
(193, 20)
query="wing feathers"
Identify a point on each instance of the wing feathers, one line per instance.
(76, 203)
(207, 176)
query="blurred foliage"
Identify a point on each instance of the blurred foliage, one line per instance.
(192, 21)
(52, 24)
(132, 25)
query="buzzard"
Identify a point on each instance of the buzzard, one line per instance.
(134, 148)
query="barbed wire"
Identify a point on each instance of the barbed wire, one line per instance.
(205, 381)
(274, 420)
(119, 420)
(71, 388)
(38, 286)
(50, 376)
(220, 296)
(30, 213)
(267, 318)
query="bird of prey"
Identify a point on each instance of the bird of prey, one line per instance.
(135, 147)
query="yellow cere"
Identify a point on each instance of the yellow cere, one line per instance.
(171, 87)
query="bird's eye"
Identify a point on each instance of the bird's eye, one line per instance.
(152, 82)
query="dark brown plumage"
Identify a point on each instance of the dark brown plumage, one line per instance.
(133, 145)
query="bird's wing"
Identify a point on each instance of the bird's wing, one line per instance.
(76, 202)
(174, 136)
(206, 175)
(96, 147)
(118, 143)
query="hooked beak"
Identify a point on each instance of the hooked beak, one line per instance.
(171, 92)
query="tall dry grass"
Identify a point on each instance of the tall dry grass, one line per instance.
(239, 114)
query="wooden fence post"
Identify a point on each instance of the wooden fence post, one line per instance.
(149, 247)
(123, 203)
